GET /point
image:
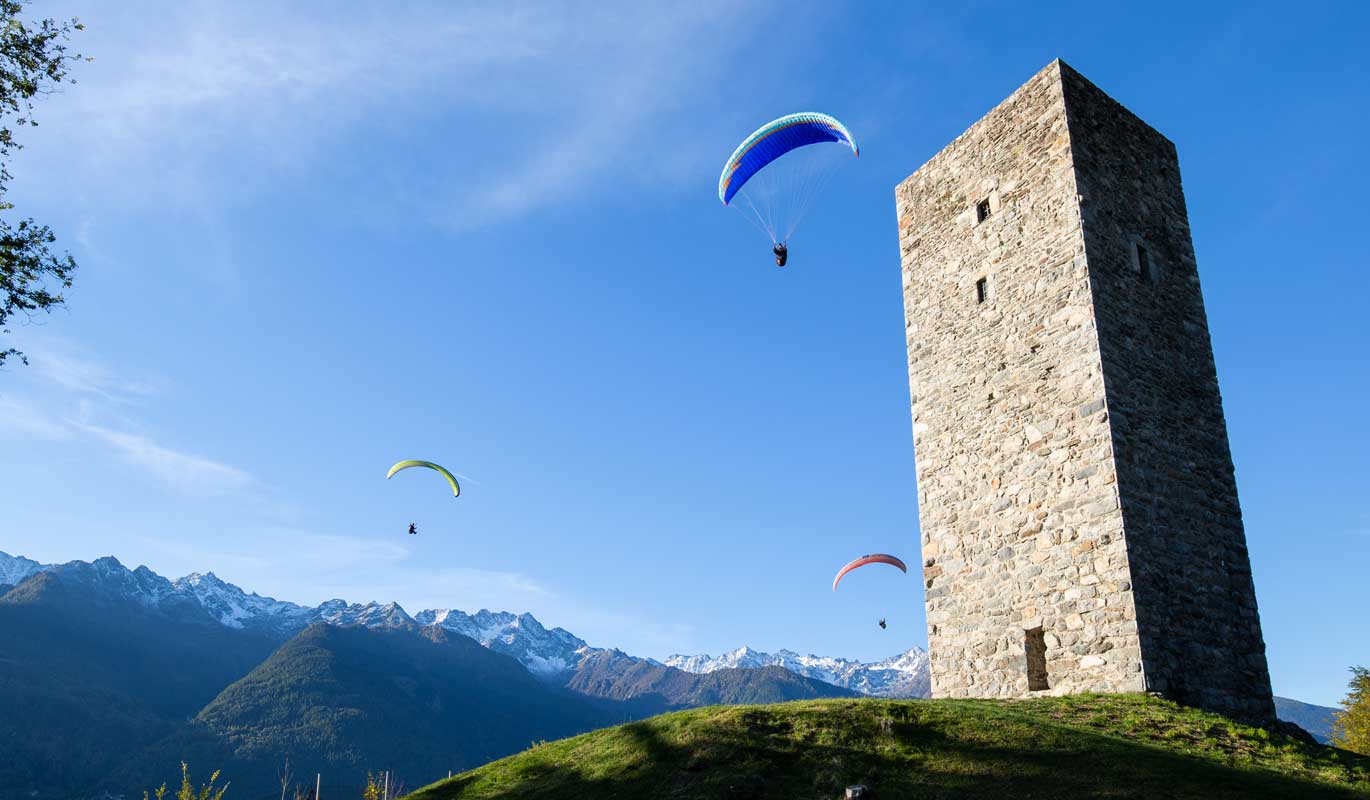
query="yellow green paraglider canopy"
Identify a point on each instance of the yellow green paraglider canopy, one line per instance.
(456, 490)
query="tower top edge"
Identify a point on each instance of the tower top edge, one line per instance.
(1051, 72)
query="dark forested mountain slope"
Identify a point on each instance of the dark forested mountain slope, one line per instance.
(1317, 720)
(417, 701)
(653, 688)
(87, 675)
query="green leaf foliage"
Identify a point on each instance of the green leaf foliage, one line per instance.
(1351, 730)
(34, 59)
(188, 791)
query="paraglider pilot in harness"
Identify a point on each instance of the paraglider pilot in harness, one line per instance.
(882, 623)
(413, 529)
(777, 188)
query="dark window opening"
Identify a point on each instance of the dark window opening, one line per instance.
(1035, 643)
(981, 290)
(1143, 262)
(982, 210)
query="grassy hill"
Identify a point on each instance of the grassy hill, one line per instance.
(1114, 746)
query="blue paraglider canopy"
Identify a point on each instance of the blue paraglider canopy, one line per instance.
(775, 139)
(774, 177)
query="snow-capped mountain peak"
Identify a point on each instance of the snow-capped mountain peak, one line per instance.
(14, 569)
(235, 608)
(548, 652)
(743, 656)
(903, 675)
(542, 651)
(371, 615)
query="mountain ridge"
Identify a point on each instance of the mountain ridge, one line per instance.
(111, 676)
(904, 675)
(553, 654)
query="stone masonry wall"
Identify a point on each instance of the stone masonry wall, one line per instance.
(1076, 496)
(1196, 603)
(1021, 526)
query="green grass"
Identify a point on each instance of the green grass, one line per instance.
(1108, 746)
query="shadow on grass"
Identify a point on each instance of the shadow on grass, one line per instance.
(757, 755)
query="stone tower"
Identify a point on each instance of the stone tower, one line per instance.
(1079, 513)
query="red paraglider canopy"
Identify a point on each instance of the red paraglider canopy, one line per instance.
(873, 558)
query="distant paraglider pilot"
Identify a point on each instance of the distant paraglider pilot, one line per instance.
(413, 529)
(882, 623)
(782, 254)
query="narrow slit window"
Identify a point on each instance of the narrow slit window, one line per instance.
(1035, 645)
(981, 290)
(1143, 263)
(982, 210)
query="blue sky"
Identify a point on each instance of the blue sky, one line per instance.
(489, 236)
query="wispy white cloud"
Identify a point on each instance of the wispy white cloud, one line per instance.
(72, 393)
(86, 376)
(281, 557)
(202, 105)
(172, 466)
(636, 631)
(330, 554)
(63, 363)
(629, 86)
(23, 418)
(466, 588)
(308, 567)
(467, 479)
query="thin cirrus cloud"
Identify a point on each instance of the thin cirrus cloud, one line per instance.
(640, 82)
(90, 377)
(307, 567)
(62, 362)
(19, 417)
(172, 466)
(277, 560)
(463, 588)
(69, 392)
(200, 105)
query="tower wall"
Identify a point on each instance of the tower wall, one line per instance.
(1075, 487)
(1017, 490)
(1196, 602)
